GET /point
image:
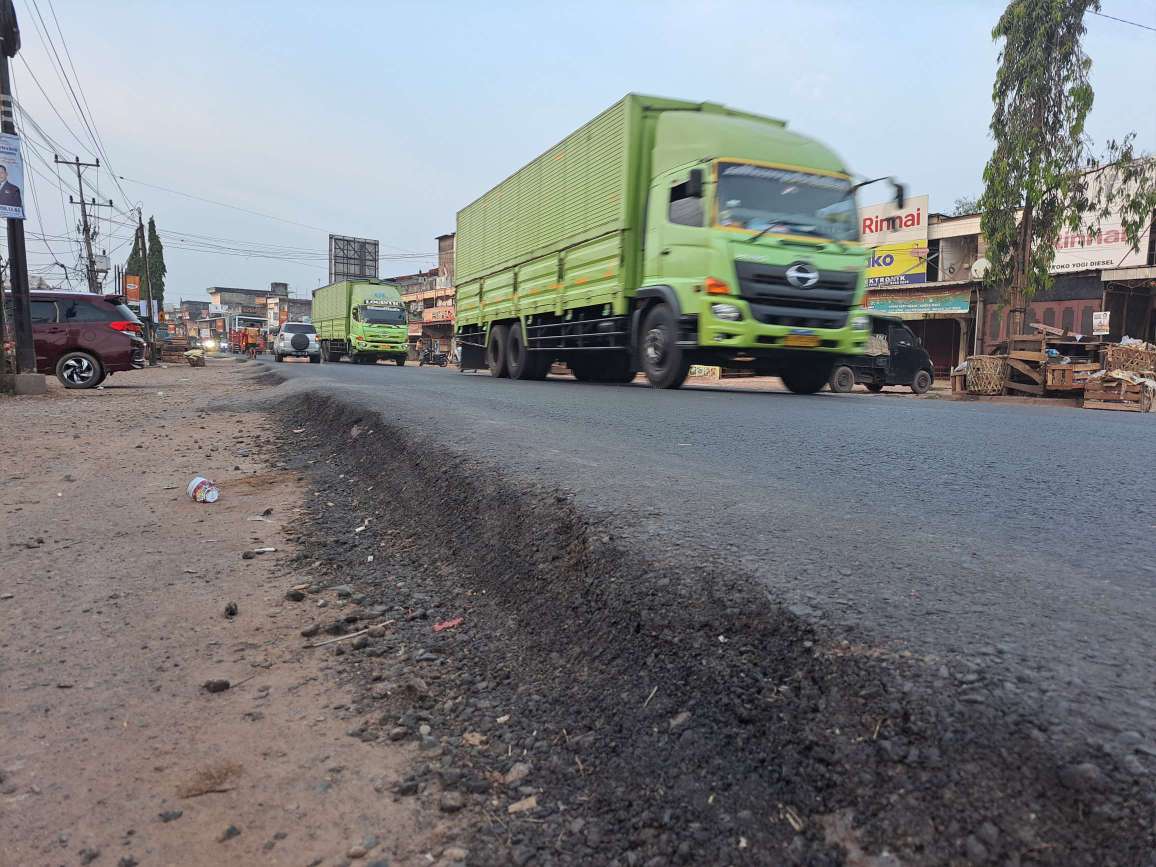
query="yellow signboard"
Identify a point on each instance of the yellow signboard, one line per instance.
(902, 264)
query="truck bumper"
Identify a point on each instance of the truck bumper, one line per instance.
(748, 336)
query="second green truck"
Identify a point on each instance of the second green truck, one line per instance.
(363, 320)
(663, 234)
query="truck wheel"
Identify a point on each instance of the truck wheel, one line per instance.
(663, 360)
(842, 379)
(496, 356)
(315, 359)
(875, 387)
(921, 383)
(806, 378)
(522, 363)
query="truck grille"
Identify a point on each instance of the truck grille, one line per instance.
(774, 301)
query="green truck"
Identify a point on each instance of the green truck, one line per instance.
(362, 319)
(662, 234)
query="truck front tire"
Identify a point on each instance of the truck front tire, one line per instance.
(497, 358)
(664, 362)
(921, 383)
(806, 378)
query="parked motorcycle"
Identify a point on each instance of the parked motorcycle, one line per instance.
(428, 356)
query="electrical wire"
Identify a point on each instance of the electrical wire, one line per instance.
(1125, 21)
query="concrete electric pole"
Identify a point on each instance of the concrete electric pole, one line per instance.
(85, 228)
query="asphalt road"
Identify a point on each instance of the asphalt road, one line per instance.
(1018, 539)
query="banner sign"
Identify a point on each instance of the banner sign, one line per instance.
(132, 287)
(11, 177)
(1101, 322)
(903, 264)
(919, 303)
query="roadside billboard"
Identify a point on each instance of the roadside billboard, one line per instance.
(885, 224)
(898, 237)
(903, 264)
(352, 258)
(918, 304)
(1083, 251)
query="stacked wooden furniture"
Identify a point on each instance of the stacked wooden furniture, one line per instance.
(174, 349)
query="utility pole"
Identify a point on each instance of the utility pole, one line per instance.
(17, 257)
(148, 291)
(86, 230)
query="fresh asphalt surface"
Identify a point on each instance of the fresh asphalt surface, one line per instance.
(1018, 539)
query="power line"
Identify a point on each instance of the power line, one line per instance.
(1125, 21)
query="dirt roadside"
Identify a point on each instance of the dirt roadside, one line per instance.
(113, 595)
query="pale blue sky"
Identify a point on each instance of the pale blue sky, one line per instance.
(382, 119)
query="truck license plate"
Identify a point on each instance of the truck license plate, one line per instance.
(801, 340)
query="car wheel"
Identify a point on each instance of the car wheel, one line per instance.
(842, 379)
(806, 378)
(875, 387)
(496, 357)
(921, 383)
(663, 361)
(79, 370)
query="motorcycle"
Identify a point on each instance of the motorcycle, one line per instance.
(428, 356)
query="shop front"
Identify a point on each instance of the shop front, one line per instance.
(942, 316)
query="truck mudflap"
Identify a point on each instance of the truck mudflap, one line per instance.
(473, 357)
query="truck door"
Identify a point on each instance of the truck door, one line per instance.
(906, 355)
(676, 242)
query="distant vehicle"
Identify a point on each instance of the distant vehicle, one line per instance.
(432, 357)
(662, 234)
(297, 340)
(896, 357)
(83, 339)
(362, 319)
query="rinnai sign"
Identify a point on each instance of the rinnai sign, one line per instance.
(1077, 251)
(885, 224)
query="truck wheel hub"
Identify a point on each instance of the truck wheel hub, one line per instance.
(655, 346)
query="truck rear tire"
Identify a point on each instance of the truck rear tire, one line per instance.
(496, 355)
(664, 362)
(806, 378)
(842, 379)
(522, 363)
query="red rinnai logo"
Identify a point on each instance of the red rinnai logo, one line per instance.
(871, 225)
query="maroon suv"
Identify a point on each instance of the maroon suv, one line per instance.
(83, 338)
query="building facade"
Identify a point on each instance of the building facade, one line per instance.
(429, 300)
(942, 295)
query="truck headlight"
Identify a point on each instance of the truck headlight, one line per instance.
(727, 312)
(860, 322)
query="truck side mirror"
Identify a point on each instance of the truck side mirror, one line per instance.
(694, 184)
(900, 196)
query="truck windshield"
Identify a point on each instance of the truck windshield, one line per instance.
(785, 202)
(383, 315)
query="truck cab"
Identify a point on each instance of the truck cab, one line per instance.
(752, 235)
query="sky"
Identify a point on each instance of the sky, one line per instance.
(382, 119)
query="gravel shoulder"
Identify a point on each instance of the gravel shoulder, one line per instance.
(582, 704)
(113, 595)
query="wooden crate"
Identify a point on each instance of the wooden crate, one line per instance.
(1068, 377)
(1117, 395)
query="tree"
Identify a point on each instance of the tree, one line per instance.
(965, 205)
(1037, 180)
(156, 264)
(135, 263)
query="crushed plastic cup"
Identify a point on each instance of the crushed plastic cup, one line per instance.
(201, 490)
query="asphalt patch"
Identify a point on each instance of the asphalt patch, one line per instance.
(592, 707)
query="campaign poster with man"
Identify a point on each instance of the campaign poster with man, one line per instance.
(11, 178)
